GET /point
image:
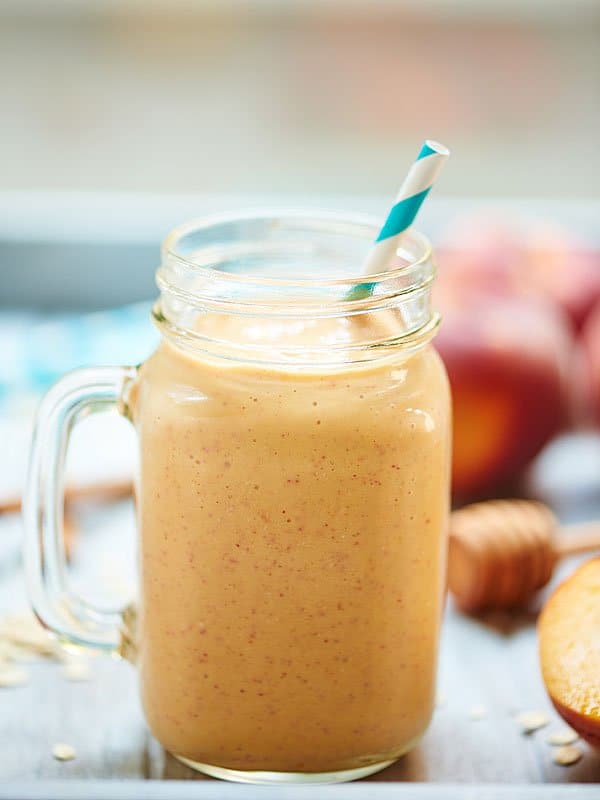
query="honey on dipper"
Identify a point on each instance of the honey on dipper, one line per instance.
(503, 551)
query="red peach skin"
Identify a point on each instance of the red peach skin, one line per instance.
(589, 363)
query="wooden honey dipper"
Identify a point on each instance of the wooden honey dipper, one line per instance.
(502, 551)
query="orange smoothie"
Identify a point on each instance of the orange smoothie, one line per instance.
(292, 552)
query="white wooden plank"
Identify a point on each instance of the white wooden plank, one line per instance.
(215, 790)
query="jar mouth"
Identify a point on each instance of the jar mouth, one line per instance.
(262, 283)
(207, 259)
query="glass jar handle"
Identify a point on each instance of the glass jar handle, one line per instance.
(71, 399)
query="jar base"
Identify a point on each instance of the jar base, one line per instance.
(266, 777)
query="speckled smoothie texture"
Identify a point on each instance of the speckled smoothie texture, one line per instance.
(292, 556)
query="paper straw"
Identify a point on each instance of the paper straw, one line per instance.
(415, 188)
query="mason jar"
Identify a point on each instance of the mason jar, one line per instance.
(292, 500)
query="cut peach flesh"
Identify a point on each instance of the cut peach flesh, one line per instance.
(569, 646)
(481, 423)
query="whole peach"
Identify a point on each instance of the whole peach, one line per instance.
(507, 361)
(491, 253)
(562, 269)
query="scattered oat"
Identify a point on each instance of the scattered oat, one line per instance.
(478, 712)
(565, 756)
(76, 670)
(6, 651)
(531, 721)
(11, 676)
(25, 632)
(63, 752)
(15, 652)
(562, 736)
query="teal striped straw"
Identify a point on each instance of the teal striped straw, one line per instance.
(415, 188)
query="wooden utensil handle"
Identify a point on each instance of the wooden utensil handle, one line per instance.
(98, 492)
(579, 538)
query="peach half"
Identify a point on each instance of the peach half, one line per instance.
(569, 649)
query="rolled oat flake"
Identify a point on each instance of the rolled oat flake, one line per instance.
(11, 677)
(530, 721)
(567, 755)
(63, 752)
(562, 736)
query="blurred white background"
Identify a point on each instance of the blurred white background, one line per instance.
(299, 95)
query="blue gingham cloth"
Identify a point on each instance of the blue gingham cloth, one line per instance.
(36, 349)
